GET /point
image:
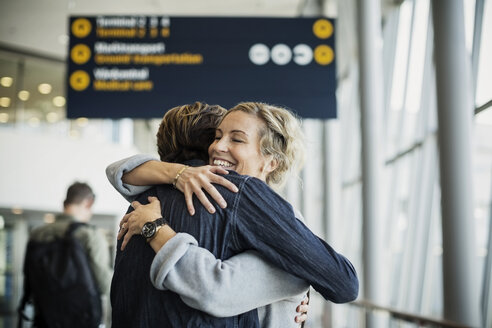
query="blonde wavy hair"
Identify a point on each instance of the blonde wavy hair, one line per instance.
(186, 132)
(280, 137)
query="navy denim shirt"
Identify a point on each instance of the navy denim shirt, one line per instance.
(256, 218)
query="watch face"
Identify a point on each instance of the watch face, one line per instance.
(148, 229)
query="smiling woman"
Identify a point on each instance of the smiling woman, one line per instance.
(236, 146)
(271, 135)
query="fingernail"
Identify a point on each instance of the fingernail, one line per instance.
(211, 209)
(235, 189)
(223, 204)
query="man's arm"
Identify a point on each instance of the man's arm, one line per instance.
(98, 254)
(221, 288)
(264, 221)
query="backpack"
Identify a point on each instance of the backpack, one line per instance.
(58, 278)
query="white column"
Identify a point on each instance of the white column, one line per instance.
(455, 112)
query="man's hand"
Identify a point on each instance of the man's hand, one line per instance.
(132, 223)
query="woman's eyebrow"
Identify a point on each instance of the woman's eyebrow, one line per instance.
(239, 131)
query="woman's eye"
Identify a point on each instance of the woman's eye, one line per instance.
(237, 140)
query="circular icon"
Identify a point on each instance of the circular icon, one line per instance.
(81, 27)
(281, 54)
(259, 54)
(79, 80)
(323, 28)
(323, 54)
(303, 54)
(80, 54)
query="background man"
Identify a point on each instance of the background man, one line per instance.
(77, 207)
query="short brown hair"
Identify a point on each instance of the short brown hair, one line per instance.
(77, 193)
(281, 137)
(187, 131)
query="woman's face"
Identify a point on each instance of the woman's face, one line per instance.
(237, 146)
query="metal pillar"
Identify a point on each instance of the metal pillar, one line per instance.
(372, 108)
(455, 110)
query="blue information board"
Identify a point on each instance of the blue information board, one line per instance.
(141, 66)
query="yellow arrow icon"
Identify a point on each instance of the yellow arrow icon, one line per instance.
(79, 80)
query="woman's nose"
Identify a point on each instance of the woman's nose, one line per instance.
(221, 145)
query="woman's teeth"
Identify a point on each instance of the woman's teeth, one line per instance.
(222, 163)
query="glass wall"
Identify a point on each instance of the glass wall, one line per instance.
(409, 189)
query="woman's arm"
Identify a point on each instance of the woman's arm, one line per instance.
(221, 288)
(132, 176)
(259, 215)
(116, 171)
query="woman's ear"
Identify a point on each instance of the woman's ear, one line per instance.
(271, 165)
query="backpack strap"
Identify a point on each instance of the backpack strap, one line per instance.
(20, 310)
(74, 226)
(25, 298)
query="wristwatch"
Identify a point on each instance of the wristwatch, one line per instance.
(150, 228)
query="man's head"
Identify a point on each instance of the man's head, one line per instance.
(79, 201)
(186, 132)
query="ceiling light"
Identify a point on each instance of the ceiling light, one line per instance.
(23, 95)
(33, 121)
(82, 121)
(59, 101)
(4, 117)
(6, 81)
(44, 88)
(17, 210)
(4, 102)
(52, 117)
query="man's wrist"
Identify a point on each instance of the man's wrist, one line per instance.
(150, 228)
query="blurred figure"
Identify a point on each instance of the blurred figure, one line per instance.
(67, 267)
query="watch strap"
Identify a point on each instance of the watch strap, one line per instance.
(160, 221)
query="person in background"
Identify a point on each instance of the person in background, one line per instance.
(77, 207)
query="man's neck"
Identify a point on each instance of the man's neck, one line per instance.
(74, 212)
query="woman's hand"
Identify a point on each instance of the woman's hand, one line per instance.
(302, 309)
(132, 223)
(194, 180)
